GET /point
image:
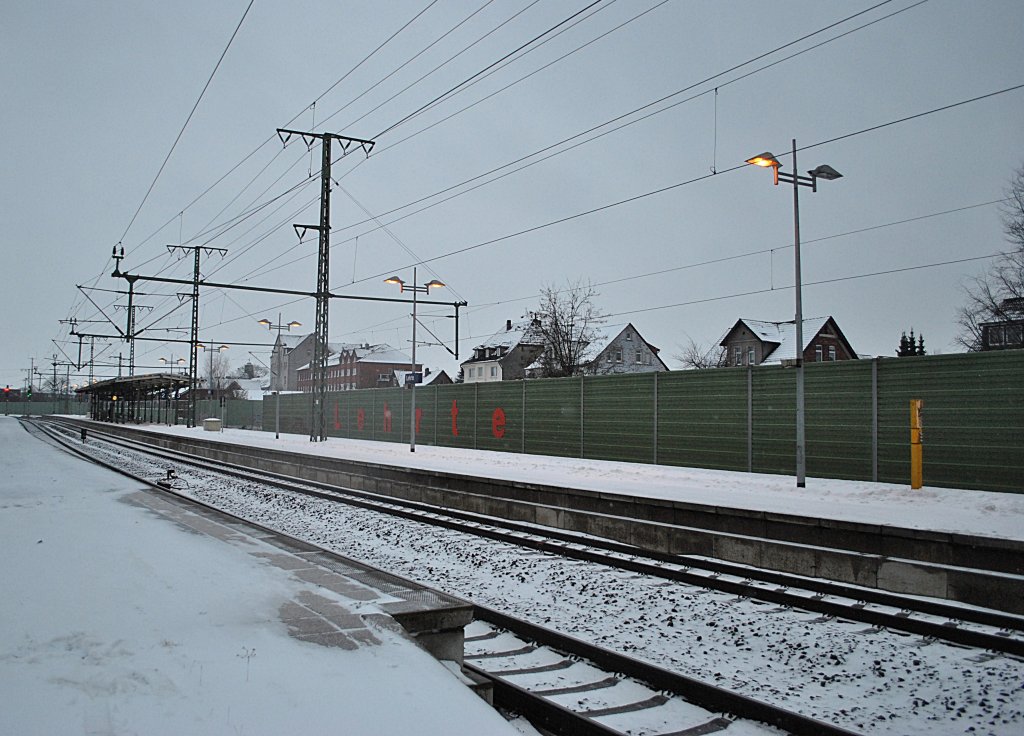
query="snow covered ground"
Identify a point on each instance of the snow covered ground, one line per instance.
(868, 680)
(983, 513)
(115, 621)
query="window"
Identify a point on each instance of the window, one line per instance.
(629, 336)
(817, 353)
(618, 355)
(831, 352)
(639, 357)
(750, 355)
(737, 356)
(494, 371)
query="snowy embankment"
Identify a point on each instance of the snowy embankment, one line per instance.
(849, 673)
(119, 622)
(984, 513)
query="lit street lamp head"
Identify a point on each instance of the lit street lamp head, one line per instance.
(264, 322)
(394, 280)
(434, 284)
(765, 159)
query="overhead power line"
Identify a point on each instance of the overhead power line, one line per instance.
(808, 283)
(469, 79)
(187, 120)
(670, 187)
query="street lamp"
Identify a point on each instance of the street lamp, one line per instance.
(424, 289)
(172, 362)
(277, 394)
(826, 173)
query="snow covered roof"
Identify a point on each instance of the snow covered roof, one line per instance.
(524, 332)
(383, 353)
(365, 353)
(292, 341)
(610, 333)
(251, 386)
(335, 348)
(434, 375)
(783, 334)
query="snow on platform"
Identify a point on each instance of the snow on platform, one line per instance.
(117, 621)
(983, 513)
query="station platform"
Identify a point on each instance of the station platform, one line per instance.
(127, 611)
(961, 545)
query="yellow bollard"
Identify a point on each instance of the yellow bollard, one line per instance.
(916, 442)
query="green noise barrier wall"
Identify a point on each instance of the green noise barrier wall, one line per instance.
(857, 418)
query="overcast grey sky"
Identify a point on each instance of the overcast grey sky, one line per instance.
(96, 93)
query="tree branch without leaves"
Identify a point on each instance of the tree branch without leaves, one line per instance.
(570, 323)
(990, 298)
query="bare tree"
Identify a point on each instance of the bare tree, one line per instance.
(214, 368)
(53, 385)
(695, 355)
(998, 294)
(570, 323)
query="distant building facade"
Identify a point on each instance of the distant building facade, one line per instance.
(1006, 334)
(505, 355)
(356, 366)
(754, 342)
(290, 353)
(626, 352)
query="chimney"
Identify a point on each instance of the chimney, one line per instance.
(508, 325)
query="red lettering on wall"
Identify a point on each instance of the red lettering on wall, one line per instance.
(455, 418)
(498, 423)
(337, 420)
(387, 417)
(361, 419)
(419, 418)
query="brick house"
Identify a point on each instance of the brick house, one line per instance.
(355, 366)
(753, 342)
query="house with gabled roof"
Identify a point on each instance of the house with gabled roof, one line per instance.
(506, 354)
(626, 351)
(754, 342)
(290, 353)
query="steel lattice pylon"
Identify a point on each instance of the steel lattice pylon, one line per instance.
(318, 419)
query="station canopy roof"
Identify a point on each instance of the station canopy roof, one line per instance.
(144, 384)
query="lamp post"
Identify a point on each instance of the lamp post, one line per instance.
(172, 362)
(277, 394)
(424, 289)
(826, 173)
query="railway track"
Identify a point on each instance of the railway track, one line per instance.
(936, 619)
(619, 692)
(572, 687)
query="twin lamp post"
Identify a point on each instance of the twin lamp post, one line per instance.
(277, 393)
(413, 380)
(826, 173)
